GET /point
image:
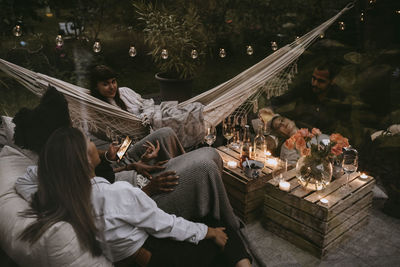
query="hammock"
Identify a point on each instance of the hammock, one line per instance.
(271, 75)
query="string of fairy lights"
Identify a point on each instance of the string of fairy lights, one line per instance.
(194, 54)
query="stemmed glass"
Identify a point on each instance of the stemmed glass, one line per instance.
(228, 130)
(211, 135)
(349, 165)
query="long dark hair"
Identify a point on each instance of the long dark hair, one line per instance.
(34, 126)
(64, 192)
(102, 73)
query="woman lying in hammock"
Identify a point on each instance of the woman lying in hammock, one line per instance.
(199, 193)
(127, 227)
(187, 122)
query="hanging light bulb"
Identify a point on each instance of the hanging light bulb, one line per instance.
(132, 51)
(222, 53)
(371, 2)
(274, 46)
(397, 11)
(321, 35)
(164, 54)
(48, 12)
(194, 54)
(342, 26)
(249, 50)
(362, 17)
(97, 47)
(59, 40)
(17, 31)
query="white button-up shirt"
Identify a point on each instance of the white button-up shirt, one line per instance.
(126, 216)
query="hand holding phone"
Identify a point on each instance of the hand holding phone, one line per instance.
(124, 147)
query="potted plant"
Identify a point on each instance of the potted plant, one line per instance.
(177, 43)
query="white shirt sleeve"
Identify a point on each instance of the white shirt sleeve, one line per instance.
(148, 217)
(27, 184)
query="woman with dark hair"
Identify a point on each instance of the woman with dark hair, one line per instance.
(64, 192)
(196, 191)
(187, 121)
(130, 226)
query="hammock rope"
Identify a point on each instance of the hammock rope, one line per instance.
(271, 75)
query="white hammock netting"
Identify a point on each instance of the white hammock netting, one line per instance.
(271, 75)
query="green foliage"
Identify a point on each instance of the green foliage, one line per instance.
(178, 34)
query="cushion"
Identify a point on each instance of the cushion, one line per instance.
(58, 246)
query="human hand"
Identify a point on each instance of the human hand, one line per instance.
(217, 235)
(112, 150)
(162, 183)
(145, 169)
(151, 151)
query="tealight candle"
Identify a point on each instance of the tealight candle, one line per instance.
(324, 201)
(273, 162)
(267, 153)
(284, 186)
(363, 176)
(232, 164)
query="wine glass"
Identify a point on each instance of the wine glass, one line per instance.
(211, 135)
(349, 165)
(228, 130)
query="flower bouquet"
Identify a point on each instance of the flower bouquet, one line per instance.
(314, 168)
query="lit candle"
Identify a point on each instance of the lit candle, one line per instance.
(232, 164)
(273, 162)
(267, 153)
(324, 201)
(363, 176)
(284, 186)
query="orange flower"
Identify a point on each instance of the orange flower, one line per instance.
(305, 151)
(316, 131)
(289, 143)
(300, 144)
(336, 150)
(304, 132)
(339, 139)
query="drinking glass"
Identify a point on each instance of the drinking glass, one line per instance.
(349, 165)
(211, 135)
(228, 130)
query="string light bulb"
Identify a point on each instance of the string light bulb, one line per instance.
(249, 50)
(164, 54)
(362, 17)
(59, 40)
(194, 54)
(222, 53)
(17, 31)
(48, 12)
(132, 51)
(398, 12)
(97, 47)
(342, 26)
(274, 46)
(322, 35)
(371, 2)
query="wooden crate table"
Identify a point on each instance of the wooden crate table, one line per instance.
(300, 217)
(245, 194)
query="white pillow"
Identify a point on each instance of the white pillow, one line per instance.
(58, 246)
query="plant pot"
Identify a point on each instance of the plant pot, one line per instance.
(313, 174)
(174, 89)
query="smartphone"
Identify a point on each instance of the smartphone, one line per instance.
(124, 147)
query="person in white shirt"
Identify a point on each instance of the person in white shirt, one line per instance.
(124, 217)
(194, 192)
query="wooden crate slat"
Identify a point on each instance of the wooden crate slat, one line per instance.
(333, 188)
(308, 233)
(319, 225)
(306, 245)
(343, 204)
(295, 201)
